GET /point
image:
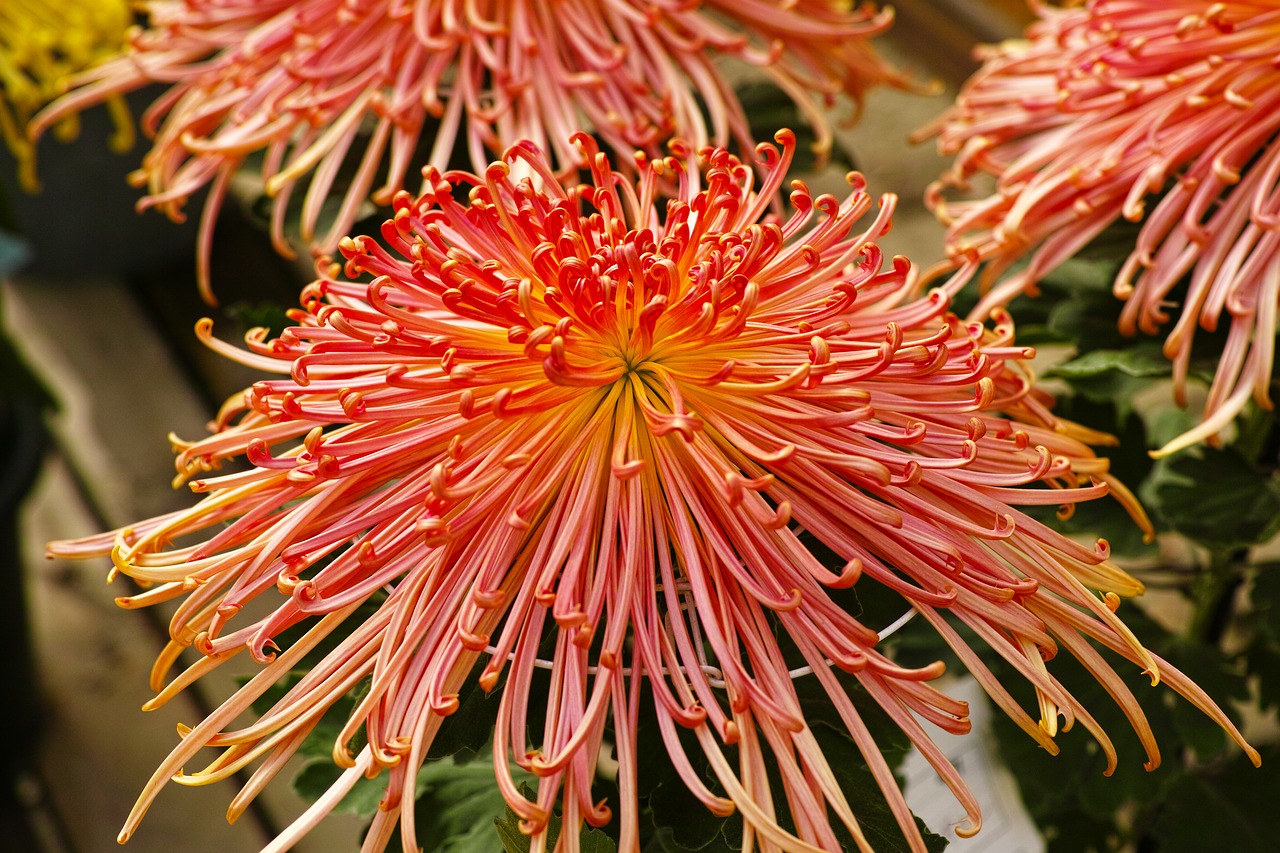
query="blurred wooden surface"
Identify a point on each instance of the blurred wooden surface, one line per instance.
(120, 392)
(943, 33)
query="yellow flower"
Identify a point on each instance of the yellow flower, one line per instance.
(42, 43)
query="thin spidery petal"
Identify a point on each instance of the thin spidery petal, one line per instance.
(593, 431)
(315, 85)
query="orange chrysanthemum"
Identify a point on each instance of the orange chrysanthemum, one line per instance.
(309, 82)
(589, 421)
(1104, 106)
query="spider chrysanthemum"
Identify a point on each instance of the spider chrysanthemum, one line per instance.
(605, 429)
(312, 84)
(1108, 108)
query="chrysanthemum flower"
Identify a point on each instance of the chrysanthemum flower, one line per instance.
(1105, 106)
(42, 43)
(309, 83)
(586, 421)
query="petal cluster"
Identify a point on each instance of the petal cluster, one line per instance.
(578, 444)
(1115, 105)
(42, 43)
(353, 94)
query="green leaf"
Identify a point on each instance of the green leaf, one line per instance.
(1105, 518)
(1114, 376)
(1087, 316)
(1256, 433)
(467, 731)
(1262, 659)
(679, 824)
(267, 315)
(663, 841)
(768, 110)
(317, 777)
(1077, 808)
(1137, 361)
(1166, 424)
(1231, 808)
(818, 709)
(1216, 498)
(1076, 304)
(1113, 387)
(457, 805)
(1262, 656)
(458, 808)
(320, 742)
(595, 841)
(459, 769)
(875, 818)
(513, 840)
(508, 826)
(1265, 595)
(1221, 678)
(1079, 833)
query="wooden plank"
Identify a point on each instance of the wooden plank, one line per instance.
(120, 391)
(98, 749)
(942, 34)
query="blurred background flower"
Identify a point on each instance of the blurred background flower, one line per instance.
(1107, 109)
(354, 96)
